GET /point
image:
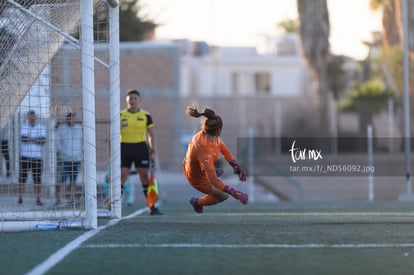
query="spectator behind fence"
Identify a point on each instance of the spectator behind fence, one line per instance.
(69, 140)
(33, 137)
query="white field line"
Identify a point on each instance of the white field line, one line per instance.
(289, 246)
(59, 255)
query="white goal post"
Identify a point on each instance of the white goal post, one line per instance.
(48, 64)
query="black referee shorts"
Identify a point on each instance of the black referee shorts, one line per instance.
(136, 153)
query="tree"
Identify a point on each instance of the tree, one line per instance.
(392, 36)
(367, 99)
(314, 29)
(288, 26)
(133, 25)
(338, 76)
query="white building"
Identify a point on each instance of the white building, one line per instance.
(243, 71)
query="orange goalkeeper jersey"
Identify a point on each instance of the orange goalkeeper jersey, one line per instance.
(203, 153)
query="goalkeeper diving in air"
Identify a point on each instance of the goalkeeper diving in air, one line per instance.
(203, 152)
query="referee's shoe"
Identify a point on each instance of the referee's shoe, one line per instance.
(154, 211)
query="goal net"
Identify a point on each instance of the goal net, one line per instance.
(49, 177)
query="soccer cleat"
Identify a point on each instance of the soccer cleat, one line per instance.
(39, 203)
(197, 208)
(154, 211)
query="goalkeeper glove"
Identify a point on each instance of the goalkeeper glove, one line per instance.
(240, 196)
(238, 170)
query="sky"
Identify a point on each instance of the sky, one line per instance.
(247, 22)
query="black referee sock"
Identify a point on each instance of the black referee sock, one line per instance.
(145, 190)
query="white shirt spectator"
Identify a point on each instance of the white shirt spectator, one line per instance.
(32, 149)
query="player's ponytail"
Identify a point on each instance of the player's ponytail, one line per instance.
(212, 124)
(192, 111)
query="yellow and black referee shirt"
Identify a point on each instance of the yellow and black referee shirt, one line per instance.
(134, 126)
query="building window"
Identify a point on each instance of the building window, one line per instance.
(240, 83)
(262, 83)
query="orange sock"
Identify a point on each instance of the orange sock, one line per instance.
(207, 200)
